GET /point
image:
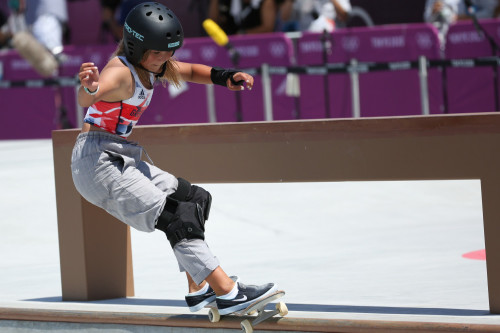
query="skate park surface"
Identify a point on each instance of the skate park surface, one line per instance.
(406, 255)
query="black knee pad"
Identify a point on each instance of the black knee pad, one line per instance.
(181, 220)
(195, 194)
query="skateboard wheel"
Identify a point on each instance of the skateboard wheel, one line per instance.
(281, 307)
(246, 326)
(213, 315)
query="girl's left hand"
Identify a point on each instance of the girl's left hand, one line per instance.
(241, 76)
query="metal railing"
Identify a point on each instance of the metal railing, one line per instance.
(354, 69)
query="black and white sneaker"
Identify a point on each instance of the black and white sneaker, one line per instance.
(198, 302)
(246, 296)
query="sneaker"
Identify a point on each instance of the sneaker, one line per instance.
(246, 296)
(198, 302)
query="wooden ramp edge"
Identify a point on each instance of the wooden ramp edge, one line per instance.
(288, 324)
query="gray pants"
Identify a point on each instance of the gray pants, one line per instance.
(108, 172)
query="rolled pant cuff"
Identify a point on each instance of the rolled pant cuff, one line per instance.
(201, 276)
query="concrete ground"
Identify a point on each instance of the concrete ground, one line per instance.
(357, 250)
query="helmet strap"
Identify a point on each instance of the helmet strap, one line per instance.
(157, 75)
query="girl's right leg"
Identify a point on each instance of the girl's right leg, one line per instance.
(230, 295)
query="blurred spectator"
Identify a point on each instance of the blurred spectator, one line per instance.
(441, 13)
(109, 21)
(342, 10)
(326, 19)
(46, 19)
(36, 28)
(244, 16)
(287, 19)
(5, 34)
(114, 13)
(482, 9)
(315, 15)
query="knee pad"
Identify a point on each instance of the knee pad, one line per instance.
(181, 220)
(195, 194)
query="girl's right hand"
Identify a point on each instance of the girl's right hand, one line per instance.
(89, 76)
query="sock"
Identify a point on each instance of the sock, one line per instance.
(230, 295)
(200, 292)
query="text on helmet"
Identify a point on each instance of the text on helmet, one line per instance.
(133, 32)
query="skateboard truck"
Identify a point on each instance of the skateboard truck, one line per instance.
(258, 307)
(262, 315)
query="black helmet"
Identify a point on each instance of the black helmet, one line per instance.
(151, 26)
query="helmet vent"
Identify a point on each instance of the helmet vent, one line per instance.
(130, 47)
(178, 33)
(169, 35)
(149, 13)
(170, 15)
(160, 17)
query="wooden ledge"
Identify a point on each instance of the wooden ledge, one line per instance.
(274, 324)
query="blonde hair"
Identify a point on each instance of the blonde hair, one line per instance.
(171, 74)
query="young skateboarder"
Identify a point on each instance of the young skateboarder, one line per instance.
(107, 168)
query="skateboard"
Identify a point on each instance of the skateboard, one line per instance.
(256, 307)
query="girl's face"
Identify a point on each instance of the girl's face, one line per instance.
(155, 59)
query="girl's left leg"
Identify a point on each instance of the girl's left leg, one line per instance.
(193, 287)
(221, 282)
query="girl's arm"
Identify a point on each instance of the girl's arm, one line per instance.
(114, 83)
(199, 73)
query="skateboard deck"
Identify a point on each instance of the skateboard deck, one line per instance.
(256, 307)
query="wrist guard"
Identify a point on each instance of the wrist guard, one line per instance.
(220, 75)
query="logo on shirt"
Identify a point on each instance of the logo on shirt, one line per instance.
(137, 112)
(142, 95)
